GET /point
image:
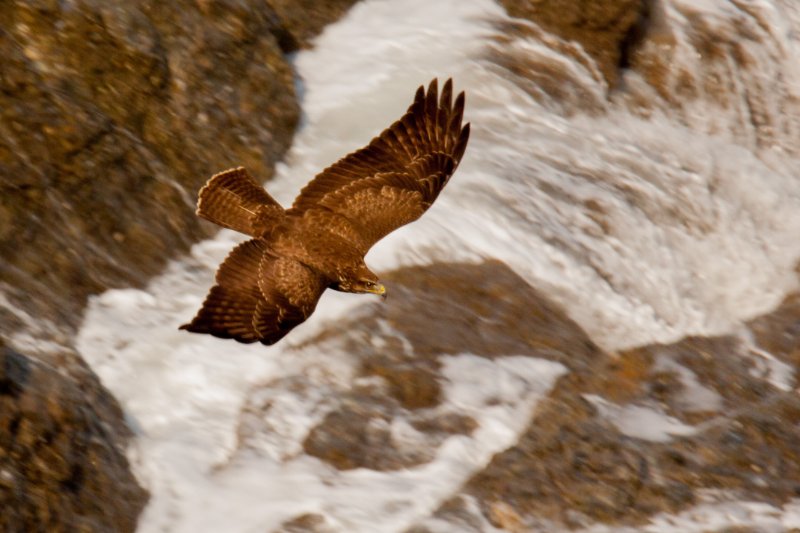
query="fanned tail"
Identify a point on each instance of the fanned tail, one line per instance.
(234, 199)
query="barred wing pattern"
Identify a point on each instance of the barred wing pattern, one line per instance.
(257, 296)
(272, 282)
(394, 179)
(235, 200)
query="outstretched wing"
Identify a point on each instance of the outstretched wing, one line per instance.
(395, 178)
(258, 296)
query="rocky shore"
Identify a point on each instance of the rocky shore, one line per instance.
(622, 437)
(113, 114)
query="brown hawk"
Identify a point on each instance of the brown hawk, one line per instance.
(272, 282)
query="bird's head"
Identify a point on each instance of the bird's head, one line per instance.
(362, 280)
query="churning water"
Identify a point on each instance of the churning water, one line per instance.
(644, 227)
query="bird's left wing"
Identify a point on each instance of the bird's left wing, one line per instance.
(258, 296)
(394, 179)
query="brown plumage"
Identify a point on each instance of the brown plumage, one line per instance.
(272, 282)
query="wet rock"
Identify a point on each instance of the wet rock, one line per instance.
(62, 461)
(447, 423)
(576, 461)
(779, 332)
(441, 309)
(460, 513)
(569, 459)
(542, 75)
(414, 386)
(112, 116)
(724, 417)
(484, 309)
(306, 523)
(367, 431)
(673, 57)
(606, 30)
(718, 60)
(374, 432)
(303, 20)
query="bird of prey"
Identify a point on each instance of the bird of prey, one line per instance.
(272, 282)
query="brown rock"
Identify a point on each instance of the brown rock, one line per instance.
(779, 332)
(484, 309)
(113, 114)
(414, 386)
(729, 60)
(306, 523)
(358, 434)
(572, 462)
(573, 466)
(605, 29)
(448, 423)
(304, 19)
(62, 460)
(441, 309)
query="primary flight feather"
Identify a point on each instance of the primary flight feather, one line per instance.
(272, 282)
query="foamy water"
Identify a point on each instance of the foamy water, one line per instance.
(697, 232)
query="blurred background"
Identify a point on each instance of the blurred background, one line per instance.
(596, 327)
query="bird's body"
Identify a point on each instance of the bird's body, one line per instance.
(272, 282)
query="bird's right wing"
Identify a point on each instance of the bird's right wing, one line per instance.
(394, 179)
(258, 296)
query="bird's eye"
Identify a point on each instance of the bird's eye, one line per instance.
(370, 284)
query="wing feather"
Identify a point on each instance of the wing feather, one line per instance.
(429, 120)
(262, 289)
(258, 297)
(384, 207)
(402, 169)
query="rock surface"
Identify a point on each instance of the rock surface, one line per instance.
(713, 73)
(442, 309)
(690, 58)
(302, 20)
(606, 30)
(62, 457)
(621, 438)
(589, 454)
(112, 115)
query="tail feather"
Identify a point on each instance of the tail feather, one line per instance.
(234, 199)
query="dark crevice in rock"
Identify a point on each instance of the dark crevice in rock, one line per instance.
(636, 34)
(75, 480)
(287, 42)
(607, 30)
(14, 373)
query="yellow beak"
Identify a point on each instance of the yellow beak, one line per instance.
(380, 290)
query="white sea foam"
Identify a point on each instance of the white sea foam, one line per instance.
(695, 395)
(690, 233)
(719, 516)
(641, 422)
